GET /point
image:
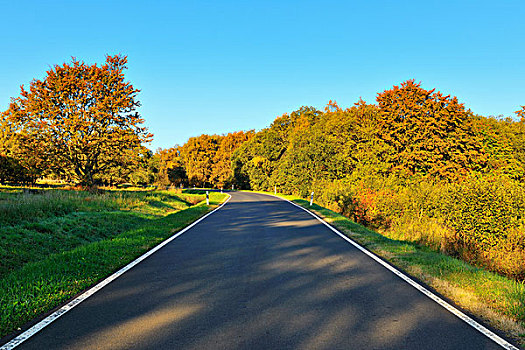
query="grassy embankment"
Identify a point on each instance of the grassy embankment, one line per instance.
(498, 300)
(57, 243)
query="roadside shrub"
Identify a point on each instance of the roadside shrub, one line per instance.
(367, 206)
(359, 200)
(335, 195)
(480, 219)
(483, 210)
(505, 261)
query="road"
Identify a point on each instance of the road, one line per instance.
(258, 274)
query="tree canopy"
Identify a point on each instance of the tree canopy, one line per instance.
(430, 133)
(80, 121)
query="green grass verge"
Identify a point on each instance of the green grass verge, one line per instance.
(496, 299)
(52, 256)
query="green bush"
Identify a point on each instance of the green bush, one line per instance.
(483, 210)
(479, 219)
(11, 171)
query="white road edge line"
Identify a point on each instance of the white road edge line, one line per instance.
(482, 329)
(55, 315)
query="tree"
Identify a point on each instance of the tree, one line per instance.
(130, 166)
(164, 159)
(222, 162)
(80, 119)
(198, 157)
(255, 161)
(14, 168)
(521, 113)
(431, 134)
(12, 171)
(145, 171)
(503, 143)
(337, 145)
(177, 175)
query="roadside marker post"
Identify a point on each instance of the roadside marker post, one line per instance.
(312, 198)
(274, 189)
(207, 198)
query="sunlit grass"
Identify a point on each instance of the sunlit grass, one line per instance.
(77, 238)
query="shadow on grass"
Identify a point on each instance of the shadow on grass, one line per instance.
(40, 286)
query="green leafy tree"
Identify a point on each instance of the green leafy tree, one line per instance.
(131, 166)
(337, 144)
(12, 171)
(163, 160)
(145, 171)
(177, 175)
(254, 163)
(503, 143)
(198, 156)
(222, 162)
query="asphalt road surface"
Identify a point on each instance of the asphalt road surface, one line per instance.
(258, 274)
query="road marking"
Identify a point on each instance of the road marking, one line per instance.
(482, 329)
(55, 315)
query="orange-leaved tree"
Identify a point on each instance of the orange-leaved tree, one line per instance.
(170, 167)
(80, 118)
(521, 113)
(432, 134)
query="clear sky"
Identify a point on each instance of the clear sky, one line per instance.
(220, 66)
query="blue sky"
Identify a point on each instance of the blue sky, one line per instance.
(222, 66)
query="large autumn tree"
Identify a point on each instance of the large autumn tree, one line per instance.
(431, 133)
(80, 119)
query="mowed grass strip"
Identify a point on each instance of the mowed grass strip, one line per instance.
(497, 300)
(61, 258)
(33, 226)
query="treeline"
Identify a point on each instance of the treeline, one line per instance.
(417, 166)
(410, 133)
(80, 125)
(203, 161)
